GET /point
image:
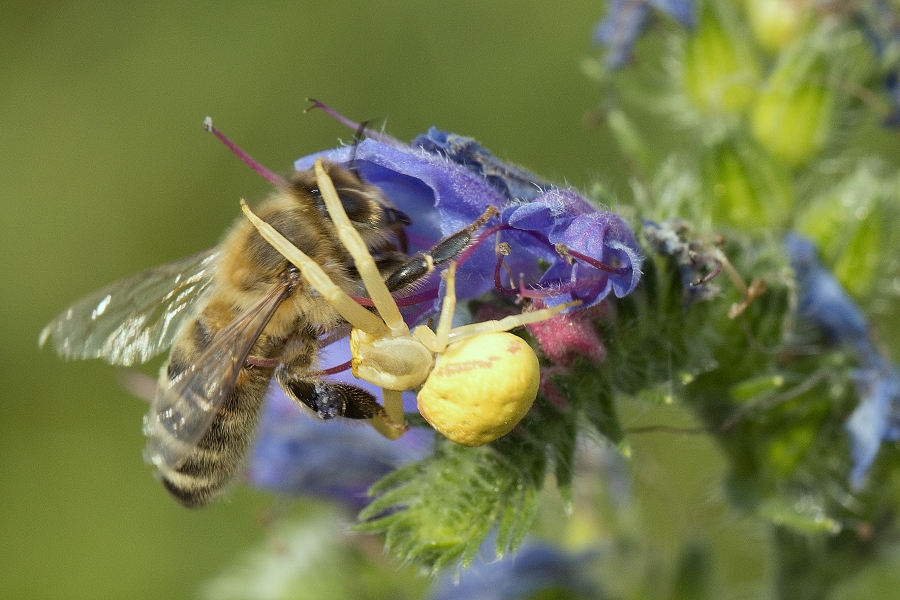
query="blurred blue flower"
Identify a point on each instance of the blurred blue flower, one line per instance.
(826, 304)
(876, 419)
(892, 86)
(604, 248)
(625, 21)
(295, 454)
(696, 264)
(822, 299)
(535, 570)
(879, 22)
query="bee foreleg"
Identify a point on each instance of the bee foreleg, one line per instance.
(421, 264)
(328, 400)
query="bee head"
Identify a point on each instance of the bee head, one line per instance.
(370, 212)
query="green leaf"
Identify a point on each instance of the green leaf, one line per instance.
(438, 511)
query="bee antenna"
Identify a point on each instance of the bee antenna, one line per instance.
(372, 133)
(357, 138)
(246, 158)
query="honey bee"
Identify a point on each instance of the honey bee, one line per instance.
(237, 315)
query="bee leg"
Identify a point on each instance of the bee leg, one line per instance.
(329, 400)
(422, 263)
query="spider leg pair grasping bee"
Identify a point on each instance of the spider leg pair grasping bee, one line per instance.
(240, 314)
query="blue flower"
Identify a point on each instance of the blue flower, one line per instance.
(603, 247)
(562, 247)
(876, 418)
(892, 87)
(533, 571)
(825, 303)
(822, 299)
(626, 20)
(514, 182)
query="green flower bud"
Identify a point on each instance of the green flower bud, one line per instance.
(805, 516)
(776, 23)
(629, 138)
(793, 113)
(720, 69)
(748, 188)
(755, 387)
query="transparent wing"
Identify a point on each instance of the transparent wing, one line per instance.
(134, 319)
(185, 407)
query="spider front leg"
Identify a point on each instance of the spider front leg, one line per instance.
(389, 421)
(403, 363)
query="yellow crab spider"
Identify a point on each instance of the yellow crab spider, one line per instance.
(475, 382)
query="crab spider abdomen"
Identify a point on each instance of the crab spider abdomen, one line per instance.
(481, 388)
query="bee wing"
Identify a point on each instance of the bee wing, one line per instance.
(134, 319)
(185, 407)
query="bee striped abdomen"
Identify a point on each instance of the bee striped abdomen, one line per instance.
(217, 456)
(220, 453)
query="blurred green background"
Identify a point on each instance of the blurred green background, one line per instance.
(105, 171)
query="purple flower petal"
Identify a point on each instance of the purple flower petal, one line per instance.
(445, 182)
(569, 220)
(515, 183)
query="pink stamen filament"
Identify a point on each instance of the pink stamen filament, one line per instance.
(410, 300)
(597, 264)
(528, 291)
(709, 276)
(336, 369)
